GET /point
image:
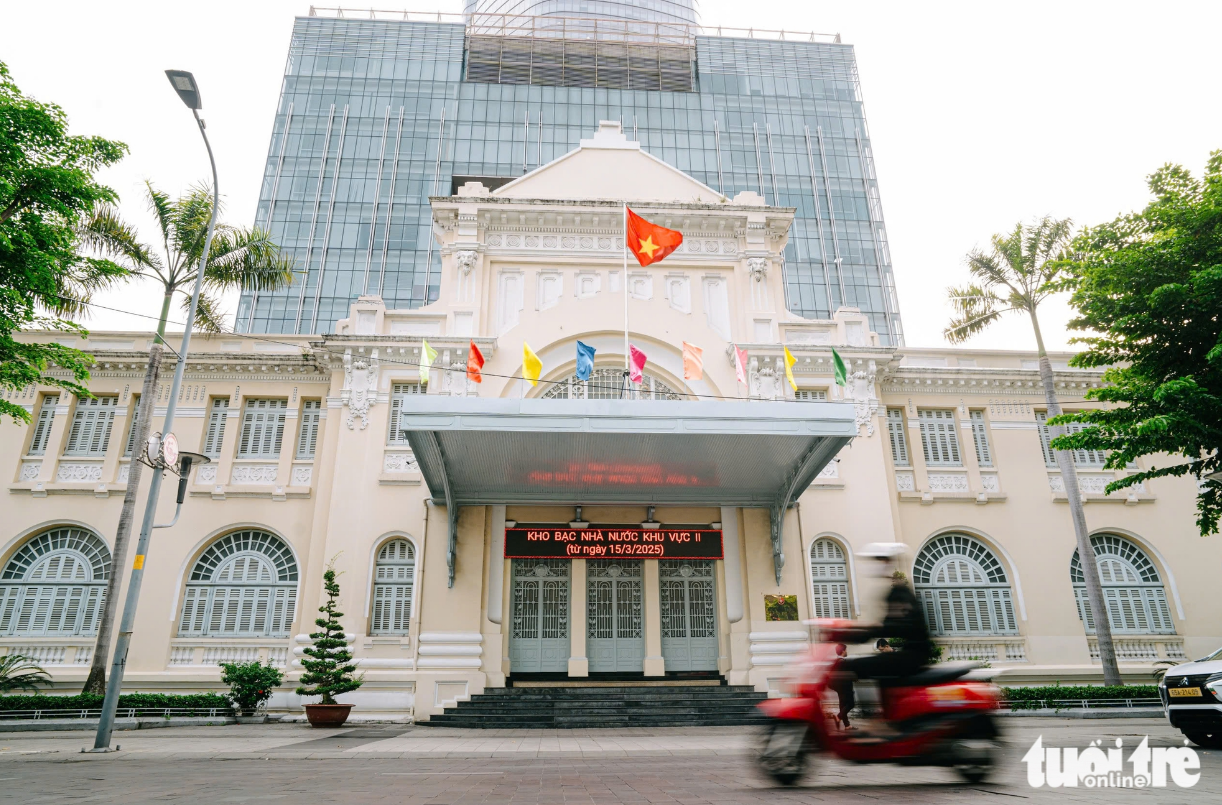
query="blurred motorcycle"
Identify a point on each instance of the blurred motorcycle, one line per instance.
(943, 715)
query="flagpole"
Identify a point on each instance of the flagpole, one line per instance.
(627, 357)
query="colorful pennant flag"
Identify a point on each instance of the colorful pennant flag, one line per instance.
(532, 367)
(740, 364)
(427, 356)
(585, 361)
(693, 362)
(790, 360)
(636, 361)
(842, 374)
(648, 242)
(475, 362)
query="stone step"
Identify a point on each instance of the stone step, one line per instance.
(528, 722)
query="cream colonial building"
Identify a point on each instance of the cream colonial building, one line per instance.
(328, 448)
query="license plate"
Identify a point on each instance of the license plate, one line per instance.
(1180, 692)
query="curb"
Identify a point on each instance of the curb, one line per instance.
(67, 724)
(1119, 712)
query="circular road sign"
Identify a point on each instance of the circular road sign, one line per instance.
(169, 450)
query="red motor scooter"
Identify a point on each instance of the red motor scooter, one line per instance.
(937, 717)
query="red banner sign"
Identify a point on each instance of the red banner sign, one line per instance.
(611, 543)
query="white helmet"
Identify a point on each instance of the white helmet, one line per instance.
(883, 550)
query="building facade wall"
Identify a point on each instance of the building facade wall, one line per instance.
(502, 284)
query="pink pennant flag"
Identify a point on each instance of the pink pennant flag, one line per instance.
(636, 360)
(740, 364)
(693, 362)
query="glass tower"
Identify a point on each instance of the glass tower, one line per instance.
(376, 115)
(678, 11)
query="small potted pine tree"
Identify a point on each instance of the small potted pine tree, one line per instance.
(329, 670)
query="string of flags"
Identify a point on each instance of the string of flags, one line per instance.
(650, 244)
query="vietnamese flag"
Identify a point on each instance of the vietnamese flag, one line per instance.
(648, 242)
(475, 362)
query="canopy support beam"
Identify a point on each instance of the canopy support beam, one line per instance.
(803, 473)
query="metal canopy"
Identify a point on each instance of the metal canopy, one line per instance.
(478, 451)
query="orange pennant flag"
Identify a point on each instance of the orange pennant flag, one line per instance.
(693, 362)
(475, 362)
(648, 242)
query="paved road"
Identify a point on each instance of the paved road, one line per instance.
(292, 763)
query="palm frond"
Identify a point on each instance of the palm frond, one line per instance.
(208, 315)
(976, 307)
(19, 672)
(249, 260)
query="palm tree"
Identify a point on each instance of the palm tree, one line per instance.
(245, 259)
(19, 672)
(1021, 270)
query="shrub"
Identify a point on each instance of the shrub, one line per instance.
(140, 701)
(250, 684)
(329, 670)
(1034, 698)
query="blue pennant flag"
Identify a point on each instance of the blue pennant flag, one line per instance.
(585, 361)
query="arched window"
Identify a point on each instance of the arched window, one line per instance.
(393, 576)
(606, 383)
(243, 585)
(963, 588)
(1132, 589)
(55, 584)
(829, 577)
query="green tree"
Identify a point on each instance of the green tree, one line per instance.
(329, 670)
(1020, 271)
(48, 199)
(239, 259)
(1148, 287)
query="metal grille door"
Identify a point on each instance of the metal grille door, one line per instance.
(689, 620)
(539, 634)
(615, 636)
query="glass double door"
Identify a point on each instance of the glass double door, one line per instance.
(539, 631)
(615, 636)
(689, 614)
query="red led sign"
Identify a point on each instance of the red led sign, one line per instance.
(609, 543)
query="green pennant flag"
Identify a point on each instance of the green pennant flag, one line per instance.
(842, 374)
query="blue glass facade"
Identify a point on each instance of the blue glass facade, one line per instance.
(375, 116)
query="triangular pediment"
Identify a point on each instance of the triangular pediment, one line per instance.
(609, 166)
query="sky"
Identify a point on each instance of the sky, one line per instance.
(981, 114)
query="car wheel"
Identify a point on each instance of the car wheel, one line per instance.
(782, 751)
(1211, 739)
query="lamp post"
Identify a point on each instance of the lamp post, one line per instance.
(184, 84)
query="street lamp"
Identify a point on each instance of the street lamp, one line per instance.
(184, 84)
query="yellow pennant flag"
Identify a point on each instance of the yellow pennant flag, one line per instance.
(427, 356)
(790, 360)
(532, 367)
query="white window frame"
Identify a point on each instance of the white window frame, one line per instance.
(958, 609)
(272, 604)
(397, 590)
(263, 421)
(33, 606)
(89, 434)
(214, 431)
(980, 437)
(43, 425)
(829, 579)
(940, 437)
(310, 426)
(900, 456)
(399, 392)
(810, 395)
(1129, 604)
(1081, 458)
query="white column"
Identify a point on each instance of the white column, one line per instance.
(496, 564)
(579, 665)
(732, 545)
(655, 664)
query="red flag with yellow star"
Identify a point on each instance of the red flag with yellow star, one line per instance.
(648, 242)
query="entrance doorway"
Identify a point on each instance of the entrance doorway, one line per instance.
(689, 614)
(539, 633)
(615, 633)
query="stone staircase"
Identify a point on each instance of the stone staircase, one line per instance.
(605, 706)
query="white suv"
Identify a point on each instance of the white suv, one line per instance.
(1192, 698)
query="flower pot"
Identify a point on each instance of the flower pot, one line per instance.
(327, 715)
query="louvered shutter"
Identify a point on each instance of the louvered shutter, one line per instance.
(938, 438)
(398, 393)
(899, 439)
(810, 395)
(131, 428)
(262, 428)
(214, 436)
(91, 425)
(980, 436)
(1081, 458)
(307, 440)
(42, 429)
